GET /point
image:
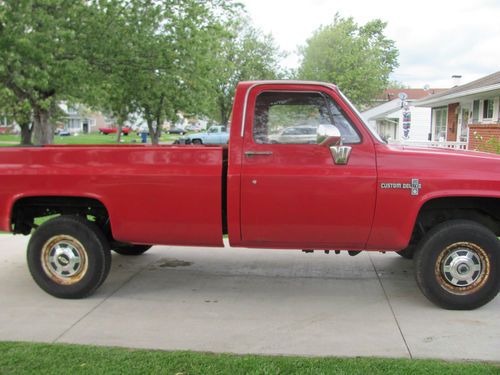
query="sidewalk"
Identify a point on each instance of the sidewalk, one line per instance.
(249, 301)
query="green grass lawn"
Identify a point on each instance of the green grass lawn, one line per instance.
(87, 139)
(27, 358)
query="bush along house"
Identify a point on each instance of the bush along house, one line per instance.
(467, 116)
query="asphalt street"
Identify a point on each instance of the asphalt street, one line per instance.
(248, 301)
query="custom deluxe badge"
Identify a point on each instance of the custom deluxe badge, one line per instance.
(414, 186)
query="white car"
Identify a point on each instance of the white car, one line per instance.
(296, 134)
(215, 135)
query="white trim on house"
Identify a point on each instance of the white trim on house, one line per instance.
(452, 98)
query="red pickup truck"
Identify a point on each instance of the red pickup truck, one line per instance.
(343, 189)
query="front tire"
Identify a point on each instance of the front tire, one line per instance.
(457, 265)
(69, 257)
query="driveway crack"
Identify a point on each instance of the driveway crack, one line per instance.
(390, 306)
(105, 299)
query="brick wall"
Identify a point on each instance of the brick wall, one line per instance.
(484, 137)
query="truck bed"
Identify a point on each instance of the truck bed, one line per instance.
(168, 195)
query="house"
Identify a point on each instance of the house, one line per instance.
(468, 114)
(395, 117)
(77, 119)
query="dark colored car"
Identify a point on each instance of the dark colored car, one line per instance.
(176, 130)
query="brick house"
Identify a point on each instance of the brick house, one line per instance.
(467, 114)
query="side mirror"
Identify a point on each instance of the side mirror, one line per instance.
(328, 135)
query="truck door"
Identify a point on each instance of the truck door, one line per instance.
(293, 194)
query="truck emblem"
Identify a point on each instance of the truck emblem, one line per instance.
(414, 186)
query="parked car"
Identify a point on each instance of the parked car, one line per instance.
(193, 128)
(176, 130)
(296, 134)
(215, 135)
(64, 133)
(109, 130)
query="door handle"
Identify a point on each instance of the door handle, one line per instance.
(257, 153)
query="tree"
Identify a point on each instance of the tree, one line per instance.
(42, 59)
(114, 49)
(243, 54)
(357, 58)
(175, 70)
(19, 111)
(160, 62)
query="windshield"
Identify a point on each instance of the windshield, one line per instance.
(355, 110)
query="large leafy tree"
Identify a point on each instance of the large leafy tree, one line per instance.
(42, 57)
(242, 54)
(178, 76)
(19, 111)
(358, 58)
(160, 64)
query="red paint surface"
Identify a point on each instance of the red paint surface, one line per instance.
(154, 195)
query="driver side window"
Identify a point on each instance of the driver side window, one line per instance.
(294, 117)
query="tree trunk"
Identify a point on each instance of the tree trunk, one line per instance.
(223, 111)
(26, 132)
(151, 130)
(155, 139)
(44, 134)
(154, 134)
(119, 132)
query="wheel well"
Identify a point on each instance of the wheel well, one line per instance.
(26, 210)
(485, 211)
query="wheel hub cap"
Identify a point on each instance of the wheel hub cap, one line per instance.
(64, 259)
(462, 267)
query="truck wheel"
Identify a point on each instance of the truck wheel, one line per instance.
(457, 265)
(407, 252)
(197, 142)
(69, 257)
(131, 249)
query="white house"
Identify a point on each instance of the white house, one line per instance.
(467, 115)
(397, 120)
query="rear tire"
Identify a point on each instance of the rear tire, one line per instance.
(197, 142)
(407, 252)
(69, 257)
(457, 265)
(131, 250)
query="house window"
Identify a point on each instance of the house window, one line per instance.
(487, 109)
(440, 120)
(475, 112)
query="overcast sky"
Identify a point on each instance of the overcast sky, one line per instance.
(436, 38)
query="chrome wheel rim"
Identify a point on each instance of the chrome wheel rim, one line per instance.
(64, 259)
(462, 268)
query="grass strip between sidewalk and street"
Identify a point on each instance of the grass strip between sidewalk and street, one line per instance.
(27, 358)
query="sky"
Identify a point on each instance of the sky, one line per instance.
(436, 38)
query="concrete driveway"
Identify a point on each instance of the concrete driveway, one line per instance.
(248, 301)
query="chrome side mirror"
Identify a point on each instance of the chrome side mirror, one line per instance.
(329, 136)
